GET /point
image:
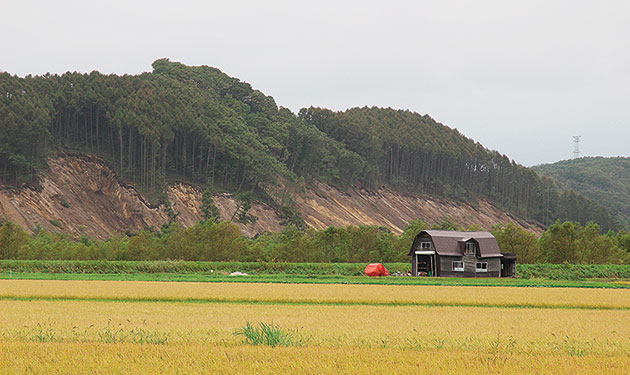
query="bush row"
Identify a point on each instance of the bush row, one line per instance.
(213, 241)
(573, 271)
(527, 271)
(184, 267)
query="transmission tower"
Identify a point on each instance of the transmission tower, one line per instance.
(576, 146)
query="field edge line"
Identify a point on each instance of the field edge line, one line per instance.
(312, 302)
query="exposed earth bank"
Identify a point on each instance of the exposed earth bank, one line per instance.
(80, 194)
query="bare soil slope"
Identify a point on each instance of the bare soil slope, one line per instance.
(80, 194)
(323, 205)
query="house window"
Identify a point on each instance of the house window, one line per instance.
(458, 266)
(425, 245)
(482, 267)
(471, 248)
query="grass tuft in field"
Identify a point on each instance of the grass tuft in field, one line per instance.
(267, 334)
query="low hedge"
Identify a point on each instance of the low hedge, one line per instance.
(526, 271)
(122, 267)
(573, 271)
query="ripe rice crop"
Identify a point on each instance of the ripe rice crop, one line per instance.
(90, 358)
(329, 294)
(155, 327)
(406, 327)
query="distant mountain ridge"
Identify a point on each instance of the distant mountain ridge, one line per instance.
(603, 179)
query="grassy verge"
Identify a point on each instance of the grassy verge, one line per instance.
(525, 271)
(285, 302)
(319, 279)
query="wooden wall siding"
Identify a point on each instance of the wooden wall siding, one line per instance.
(414, 265)
(470, 263)
(424, 238)
(438, 268)
(470, 266)
(417, 244)
(494, 267)
(446, 267)
(446, 264)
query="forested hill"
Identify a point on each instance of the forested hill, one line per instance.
(605, 180)
(413, 152)
(199, 125)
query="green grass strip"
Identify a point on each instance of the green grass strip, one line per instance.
(566, 272)
(312, 303)
(319, 279)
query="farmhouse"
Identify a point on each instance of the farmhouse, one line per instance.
(460, 254)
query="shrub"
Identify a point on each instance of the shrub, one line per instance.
(12, 238)
(267, 334)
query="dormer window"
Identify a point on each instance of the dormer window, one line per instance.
(471, 248)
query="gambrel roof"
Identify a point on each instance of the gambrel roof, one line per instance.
(448, 242)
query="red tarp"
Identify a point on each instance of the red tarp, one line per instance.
(376, 269)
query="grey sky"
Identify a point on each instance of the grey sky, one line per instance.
(520, 77)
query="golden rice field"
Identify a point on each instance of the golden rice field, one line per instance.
(111, 327)
(320, 293)
(97, 358)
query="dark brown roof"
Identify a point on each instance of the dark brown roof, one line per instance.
(446, 242)
(509, 256)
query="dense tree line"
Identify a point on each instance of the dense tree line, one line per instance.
(200, 125)
(178, 122)
(210, 240)
(605, 180)
(566, 242)
(414, 152)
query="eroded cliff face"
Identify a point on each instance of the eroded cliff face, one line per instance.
(186, 200)
(323, 205)
(80, 194)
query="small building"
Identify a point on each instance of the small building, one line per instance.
(447, 253)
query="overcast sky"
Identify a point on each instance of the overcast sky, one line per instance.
(521, 77)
